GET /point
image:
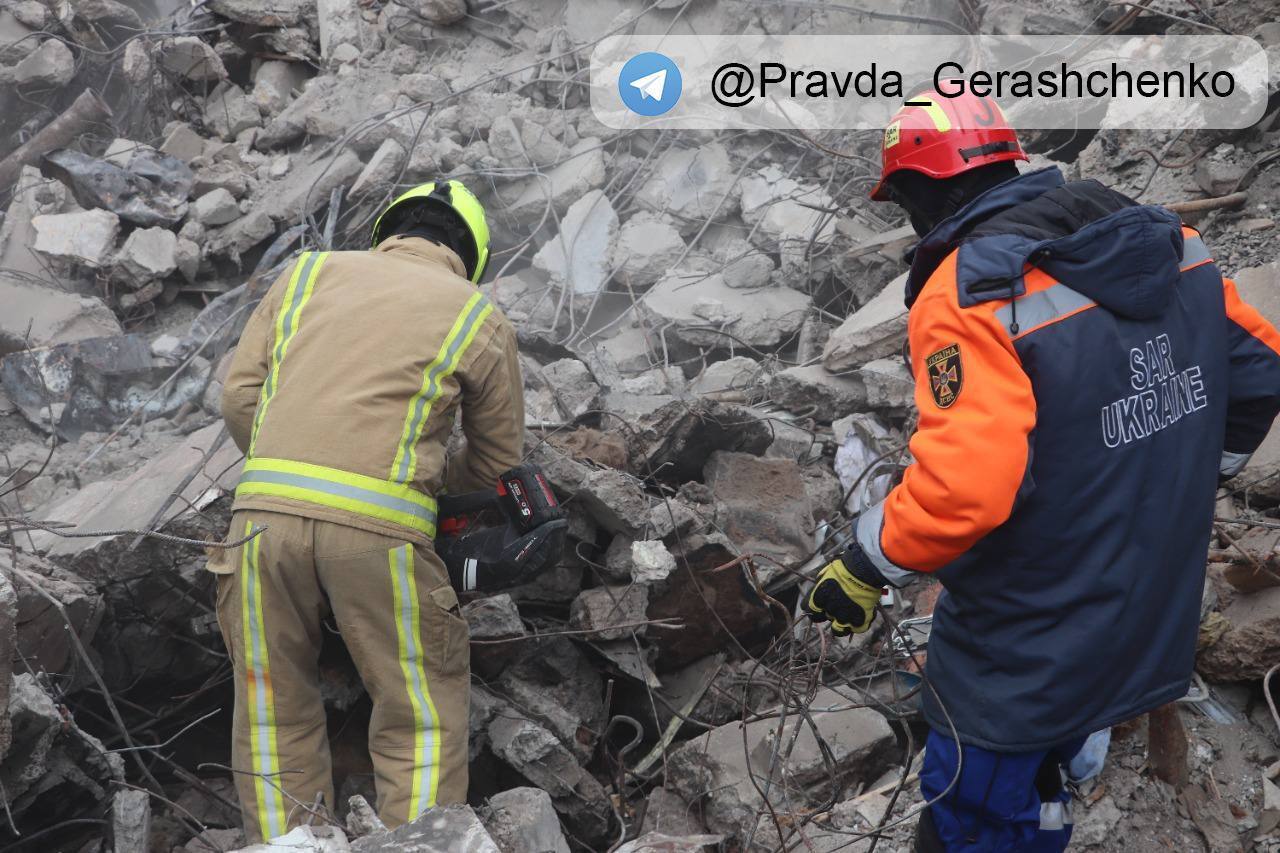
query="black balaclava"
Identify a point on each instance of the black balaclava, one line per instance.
(410, 223)
(928, 201)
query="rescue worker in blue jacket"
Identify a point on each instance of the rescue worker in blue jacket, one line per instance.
(1085, 375)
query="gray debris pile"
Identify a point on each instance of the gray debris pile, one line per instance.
(712, 328)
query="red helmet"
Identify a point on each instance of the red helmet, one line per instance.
(941, 137)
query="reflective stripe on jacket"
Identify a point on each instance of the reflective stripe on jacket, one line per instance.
(1083, 370)
(348, 379)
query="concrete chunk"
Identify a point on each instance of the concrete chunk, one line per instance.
(766, 506)
(148, 254)
(578, 257)
(615, 501)
(216, 207)
(876, 330)
(131, 820)
(889, 385)
(603, 609)
(691, 184)
(51, 65)
(85, 237)
(714, 768)
(704, 311)
(647, 247)
(228, 112)
(523, 820)
(192, 58)
(39, 317)
(812, 390)
(274, 84)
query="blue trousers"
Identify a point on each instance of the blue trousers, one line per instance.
(1003, 802)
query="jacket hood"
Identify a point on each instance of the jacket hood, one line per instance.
(1123, 255)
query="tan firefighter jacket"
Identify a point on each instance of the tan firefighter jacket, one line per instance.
(347, 380)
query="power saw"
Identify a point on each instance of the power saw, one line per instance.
(492, 540)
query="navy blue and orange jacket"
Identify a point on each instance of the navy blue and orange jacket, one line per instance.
(1084, 375)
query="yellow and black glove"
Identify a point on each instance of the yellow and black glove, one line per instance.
(846, 593)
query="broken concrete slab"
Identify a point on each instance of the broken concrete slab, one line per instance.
(581, 172)
(813, 391)
(51, 65)
(191, 58)
(53, 768)
(155, 589)
(604, 610)
(767, 510)
(331, 105)
(442, 829)
(730, 379)
(232, 241)
(671, 438)
(578, 257)
(523, 820)
(147, 254)
(703, 311)
(659, 842)
(647, 247)
(307, 187)
(228, 111)
(615, 500)
(889, 385)
(716, 769)
(264, 13)
(381, 168)
(572, 387)
(554, 684)
(692, 184)
(787, 215)
(85, 237)
(39, 317)
(876, 330)
(536, 754)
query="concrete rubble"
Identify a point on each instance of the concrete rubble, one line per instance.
(712, 329)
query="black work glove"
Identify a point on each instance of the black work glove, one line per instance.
(846, 593)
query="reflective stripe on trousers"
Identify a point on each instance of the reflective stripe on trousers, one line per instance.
(426, 730)
(260, 697)
(339, 489)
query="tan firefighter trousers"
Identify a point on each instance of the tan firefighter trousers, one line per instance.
(399, 617)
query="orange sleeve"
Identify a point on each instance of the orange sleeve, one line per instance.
(1247, 317)
(971, 444)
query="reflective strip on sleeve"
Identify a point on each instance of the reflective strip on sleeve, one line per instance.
(259, 695)
(339, 489)
(1042, 308)
(867, 532)
(1233, 463)
(1194, 253)
(426, 731)
(296, 295)
(446, 362)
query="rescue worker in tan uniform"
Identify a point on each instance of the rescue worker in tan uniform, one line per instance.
(342, 394)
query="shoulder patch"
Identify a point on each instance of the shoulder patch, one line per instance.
(946, 375)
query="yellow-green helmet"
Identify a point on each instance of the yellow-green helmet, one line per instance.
(442, 204)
